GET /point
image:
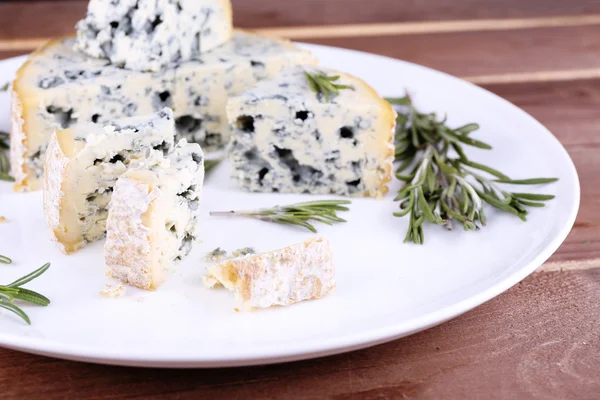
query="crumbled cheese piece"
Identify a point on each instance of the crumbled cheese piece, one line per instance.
(244, 251)
(113, 290)
(216, 255)
(296, 273)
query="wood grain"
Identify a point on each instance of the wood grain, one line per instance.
(20, 19)
(537, 341)
(485, 53)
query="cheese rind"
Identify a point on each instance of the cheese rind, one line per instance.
(152, 35)
(153, 217)
(58, 88)
(287, 138)
(82, 166)
(303, 271)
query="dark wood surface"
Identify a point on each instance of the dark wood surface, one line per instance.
(539, 340)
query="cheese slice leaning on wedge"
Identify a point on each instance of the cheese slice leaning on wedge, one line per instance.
(82, 166)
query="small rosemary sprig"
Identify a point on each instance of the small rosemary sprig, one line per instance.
(323, 84)
(295, 214)
(210, 164)
(4, 162)
(442, 188)
(13, 291)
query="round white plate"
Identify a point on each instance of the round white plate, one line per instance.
(385, 289)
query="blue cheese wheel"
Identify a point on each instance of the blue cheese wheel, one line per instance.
(153, 217)
(153, 35)
(288, 138)
(82, 166)
(58, 88)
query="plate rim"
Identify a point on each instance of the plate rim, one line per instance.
(350, 342)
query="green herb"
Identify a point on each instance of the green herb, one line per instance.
(296, 214)
(13, 291)
(4, 162)
(4, 87)
(323, 84)
(210, 164)
(5, 260)
(441, 188)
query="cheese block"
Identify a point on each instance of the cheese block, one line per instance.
(153, 217)
(82, 165)
(60, 88)
(288, 138)
(303, 271)
(152, 35)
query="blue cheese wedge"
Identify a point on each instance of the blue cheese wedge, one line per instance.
(152, 35)
(153, 217)
(288, 138)
(303, 271)
(58, 88)
(82, 166)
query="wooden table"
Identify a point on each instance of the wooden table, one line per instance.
(541, 339)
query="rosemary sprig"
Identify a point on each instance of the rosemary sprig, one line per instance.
(296, 214)
(4, 162)
(210, 164)
(441, 188)
(323, 84)
(13, 291)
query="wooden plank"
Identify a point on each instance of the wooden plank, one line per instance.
(514, 346)
(569, 110)
(427, 27)
(30, 19)
(490, 52)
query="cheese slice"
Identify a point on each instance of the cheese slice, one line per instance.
(153, 217)
(288, 138)
(303, 271)
(152, 35)
(58, 88)
(82, 165)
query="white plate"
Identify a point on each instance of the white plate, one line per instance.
(386, 289)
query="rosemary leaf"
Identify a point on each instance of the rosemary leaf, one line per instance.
(5, 260)
(13, 291)
(210, 164)
(324, 85)
(30, 276)
(324, 211)
(11, 307)
(4, 87)
(534, 181)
